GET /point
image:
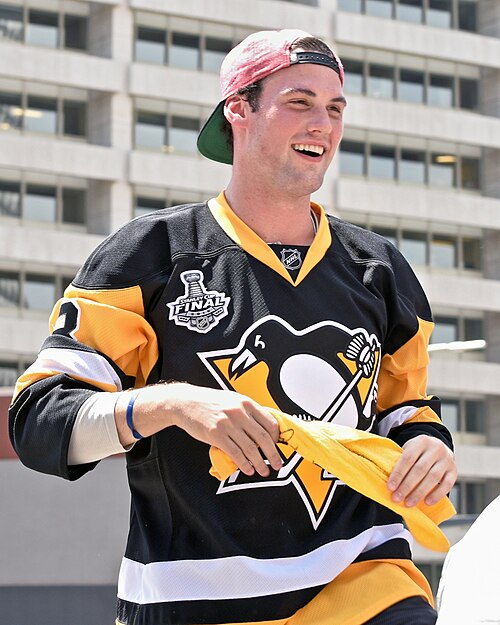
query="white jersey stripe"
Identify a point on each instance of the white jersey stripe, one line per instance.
(77, 364)
(240, 577)
(395, 418)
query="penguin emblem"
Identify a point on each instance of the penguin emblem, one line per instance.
(324, 372)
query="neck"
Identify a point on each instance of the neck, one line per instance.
(273, 218)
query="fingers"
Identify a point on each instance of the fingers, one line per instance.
(426, 471)
(256, 441)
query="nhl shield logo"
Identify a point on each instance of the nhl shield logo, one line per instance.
(291, 258)
(198, 309)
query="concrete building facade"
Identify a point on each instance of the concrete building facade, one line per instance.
(100, 105)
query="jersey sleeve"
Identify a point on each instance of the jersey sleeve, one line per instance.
(100, 340)
(404, 407)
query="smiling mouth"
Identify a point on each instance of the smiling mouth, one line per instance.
(309, 150)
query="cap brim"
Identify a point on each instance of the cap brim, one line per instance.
(212, 140)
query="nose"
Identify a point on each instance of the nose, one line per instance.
(319, 121)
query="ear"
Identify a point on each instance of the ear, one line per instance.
(236, 110)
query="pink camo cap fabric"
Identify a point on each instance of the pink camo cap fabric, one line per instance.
(257, 56)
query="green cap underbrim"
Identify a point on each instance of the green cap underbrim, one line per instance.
(212, 140)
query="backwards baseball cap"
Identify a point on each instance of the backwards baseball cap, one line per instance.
(256, 57)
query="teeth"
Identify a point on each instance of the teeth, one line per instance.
(305, 147)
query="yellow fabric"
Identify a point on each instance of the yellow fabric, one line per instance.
(359, 593)
(362, 460)
(239, 232)
(403, 375)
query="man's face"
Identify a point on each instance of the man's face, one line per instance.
(292, 137)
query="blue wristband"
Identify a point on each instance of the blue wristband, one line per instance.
(129, 417)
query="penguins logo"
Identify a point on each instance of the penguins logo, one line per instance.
(326, 372)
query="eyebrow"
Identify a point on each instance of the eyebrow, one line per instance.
(310, 93)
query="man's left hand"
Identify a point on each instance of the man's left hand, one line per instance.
(426, 471)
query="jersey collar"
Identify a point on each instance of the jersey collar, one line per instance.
(246, 238)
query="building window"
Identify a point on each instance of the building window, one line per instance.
(39, 292)
(472, 254)
(381, 82)
(74, 118)
(34, 113)
(43, 202)
(440, 91)
(389, 233)
(150, 130)
(184, 51)
(469, 173)
(440, 250)
(10, 199)
(442, 170)
(467, 15)
(73, 206)
(352, 158)
(150, 199)
(9, 289)
(41, 115)
(450, 414)
(411, 86)
(410, 11)
(183, 133)
(413, 246)
(150, 45)
(411, 166)
(475, 416)
(382, 162)
(40, 203)
(145, 205)
(11, 23)
(169, 131)
(75, 32)
(380, 8)
(439, 13)
(42, 29)
(473, 329)
(353, 6)
(464, 415)
(460, 14)
(468, 497)
(443, 251)
(469, 94)
(446, 330)
(213, 53)
(437, 169)
(8, 373)
(11, 112)
(354, 76)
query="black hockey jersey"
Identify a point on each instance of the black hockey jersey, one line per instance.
(193, 294)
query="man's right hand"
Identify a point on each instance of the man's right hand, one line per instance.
(230, 421)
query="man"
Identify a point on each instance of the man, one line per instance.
(252, 301)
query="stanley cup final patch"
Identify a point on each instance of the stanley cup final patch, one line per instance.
(198, 309)
(291, 258)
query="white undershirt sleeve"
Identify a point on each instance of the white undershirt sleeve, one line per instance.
(94, 435)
